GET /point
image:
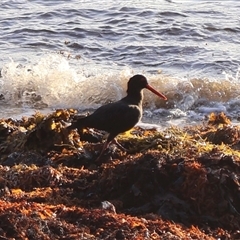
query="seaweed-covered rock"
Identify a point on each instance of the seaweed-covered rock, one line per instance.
(169, 185)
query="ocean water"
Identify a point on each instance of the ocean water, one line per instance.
(80, 54)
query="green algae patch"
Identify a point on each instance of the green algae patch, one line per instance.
(167, 185)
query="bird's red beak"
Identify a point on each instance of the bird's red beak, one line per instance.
(156, 92)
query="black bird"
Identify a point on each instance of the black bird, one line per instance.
(120, 116)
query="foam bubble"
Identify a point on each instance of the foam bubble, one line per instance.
(55, 82)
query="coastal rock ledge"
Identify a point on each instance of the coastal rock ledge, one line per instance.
(180, 183)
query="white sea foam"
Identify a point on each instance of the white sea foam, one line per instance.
(54, 82)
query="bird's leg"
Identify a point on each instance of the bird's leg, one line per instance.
(119, 145)
(106, 144)
(110, 138)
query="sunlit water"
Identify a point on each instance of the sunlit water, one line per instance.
(80, 54)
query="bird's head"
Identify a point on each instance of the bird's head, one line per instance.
(139, 82)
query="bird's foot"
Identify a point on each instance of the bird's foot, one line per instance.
(105, 146)
(119, 145)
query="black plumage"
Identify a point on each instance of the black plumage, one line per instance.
(120, 116)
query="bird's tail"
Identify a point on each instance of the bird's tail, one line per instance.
(78, 123)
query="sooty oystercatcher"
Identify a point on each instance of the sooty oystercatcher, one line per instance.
(120, 116)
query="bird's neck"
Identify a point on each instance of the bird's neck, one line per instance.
(135, 97)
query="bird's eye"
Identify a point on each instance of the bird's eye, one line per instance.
(143, 80)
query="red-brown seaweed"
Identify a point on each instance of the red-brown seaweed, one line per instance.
(180, 183)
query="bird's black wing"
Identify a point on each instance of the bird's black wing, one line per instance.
(115, 117)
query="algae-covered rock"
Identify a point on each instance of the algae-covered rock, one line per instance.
(168, 185)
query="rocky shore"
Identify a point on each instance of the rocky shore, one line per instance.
(181, 183)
